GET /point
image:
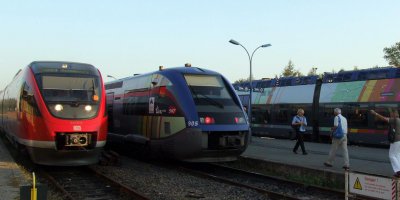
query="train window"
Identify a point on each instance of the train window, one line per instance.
(265, 84)
(362, 76)
(383, 109)
(260, 115)
(281, 114)
(357, 115)
(213, 98)
(209, 90)
(135, 103)
(28, 103)
(347, 77)
(114, 85)
(378, 75)
(70, 89)
(326, 115)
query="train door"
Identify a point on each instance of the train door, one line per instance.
(110, 111)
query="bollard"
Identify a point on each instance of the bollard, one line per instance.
(34, 189)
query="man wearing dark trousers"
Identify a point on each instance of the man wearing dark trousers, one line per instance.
(299, 123)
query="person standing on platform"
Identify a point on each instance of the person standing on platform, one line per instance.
(299, 123)
(339, 139)
(394, 150)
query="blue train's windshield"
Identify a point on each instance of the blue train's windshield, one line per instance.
(208, 90)
(213, 100)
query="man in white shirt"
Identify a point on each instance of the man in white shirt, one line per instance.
(341, 121)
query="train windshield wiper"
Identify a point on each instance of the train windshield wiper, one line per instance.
(207, 98)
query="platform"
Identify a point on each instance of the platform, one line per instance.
(362, 159)
(11, 175)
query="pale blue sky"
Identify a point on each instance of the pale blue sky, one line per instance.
(122, 38)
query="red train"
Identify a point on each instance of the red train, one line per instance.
(56, 111)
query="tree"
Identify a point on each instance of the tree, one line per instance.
(289, 70)
(392, 54)
(297, 73)
(242, 80)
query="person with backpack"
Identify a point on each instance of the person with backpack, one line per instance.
(299, 124)
(339, 139)
(393, 137)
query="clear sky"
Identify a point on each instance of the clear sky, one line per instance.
(123, 38)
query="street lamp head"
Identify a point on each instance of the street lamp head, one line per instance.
(234, 42)
(109, 76)
(266, 45)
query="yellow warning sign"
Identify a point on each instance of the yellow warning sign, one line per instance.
(357, 185)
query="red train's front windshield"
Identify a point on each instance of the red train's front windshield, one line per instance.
(70, 96)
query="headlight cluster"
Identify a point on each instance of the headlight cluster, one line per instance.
(59, 107)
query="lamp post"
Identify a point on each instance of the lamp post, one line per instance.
(251, 74)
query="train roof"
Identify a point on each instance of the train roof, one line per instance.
(280, 82)
(181, 70)
(61, 66)
(363, 74)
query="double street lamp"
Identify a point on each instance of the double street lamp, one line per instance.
(251, 74)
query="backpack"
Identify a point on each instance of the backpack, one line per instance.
(392, 132)
(338, 133)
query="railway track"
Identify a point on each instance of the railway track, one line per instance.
(273, 187)
(87, 183)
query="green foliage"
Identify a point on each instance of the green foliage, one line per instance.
(392, 54)
(242, 80)
(288, 70)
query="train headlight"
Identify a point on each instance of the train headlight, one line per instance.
(240, 120)
(88, 108)
(58, 107)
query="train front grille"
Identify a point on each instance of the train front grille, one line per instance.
(224, 140)
(76, 140)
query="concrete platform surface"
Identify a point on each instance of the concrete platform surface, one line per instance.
(362, 159)
(11, 176)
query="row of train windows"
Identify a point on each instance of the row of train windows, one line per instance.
(361, 76)
(358, 117)
(328, 78)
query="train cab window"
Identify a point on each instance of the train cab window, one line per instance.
(213, 98)
(208, 90)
